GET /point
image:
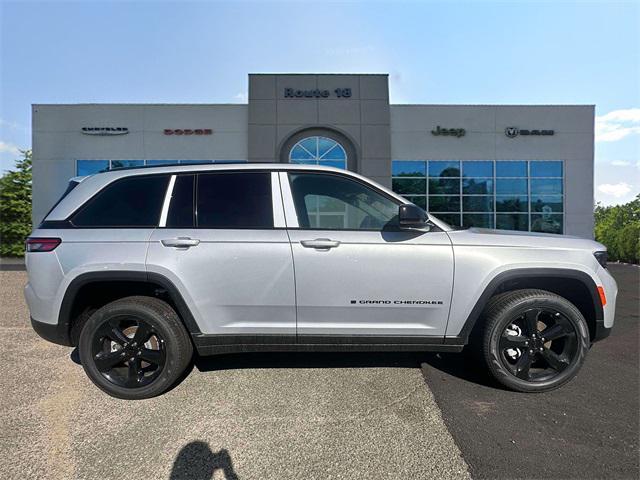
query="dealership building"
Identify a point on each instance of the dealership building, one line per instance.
(514, 167)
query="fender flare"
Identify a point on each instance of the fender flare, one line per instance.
(525, 273)
(64, 316)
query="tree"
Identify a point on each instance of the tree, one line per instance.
(618, 228)
(15, 207)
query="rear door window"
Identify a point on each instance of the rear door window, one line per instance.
(130, 202)
(234, 200)
(181, 213)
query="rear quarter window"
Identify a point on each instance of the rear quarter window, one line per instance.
(130, 202)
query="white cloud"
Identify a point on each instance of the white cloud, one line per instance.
(242, 97)
(615, 189)
(620, 163)
(618, 124)
(9, 148)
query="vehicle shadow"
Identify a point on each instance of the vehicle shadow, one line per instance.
(463, 366)
(309, 360)
(196, 461)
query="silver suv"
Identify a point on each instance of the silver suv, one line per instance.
(140, 267)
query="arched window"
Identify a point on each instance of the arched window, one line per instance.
(318, 150)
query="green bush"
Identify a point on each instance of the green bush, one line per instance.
(618, 228)
(15, 207)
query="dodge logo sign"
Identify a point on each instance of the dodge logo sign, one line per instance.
(105, 130)
(513, 132)
(188, 131)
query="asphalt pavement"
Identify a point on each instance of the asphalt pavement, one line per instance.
(587, 429)
(252, 416)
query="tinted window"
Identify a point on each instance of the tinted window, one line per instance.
(130, 202)
(337, 203)
(234, 200)
(181, 213)
(511, 169)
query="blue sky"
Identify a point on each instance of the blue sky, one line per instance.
(445, 52)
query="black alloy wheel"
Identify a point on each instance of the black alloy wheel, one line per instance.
(534, 340)
(538, 345)
(128, 351)
(135, 348)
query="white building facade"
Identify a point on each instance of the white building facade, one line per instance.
(516, 167)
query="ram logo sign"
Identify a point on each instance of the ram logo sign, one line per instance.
(513, 132)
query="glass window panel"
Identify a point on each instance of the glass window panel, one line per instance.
(444, 169)
(89, 167)
(451, 219)
(479, 186)
(547, 223)
(477, 203)
(332, 163)
(161, 162)
(229, 161)
(477, 169)
(325, 145)
(478, 220)
(546, 204)
(407, 168)
(409, 186)
(545, 169)
(546, 186)
(299, 153)
(311, 144)
(130, 202)
(444, 203)
(444, 185)
(511, 185)
(419, 201)
(317, 196)
(194, 162)
(511, 169)
(115, 164)
(234, 200)
(336, 153)
(512, 221)
(512, 203)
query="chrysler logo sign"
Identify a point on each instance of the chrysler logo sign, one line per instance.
(105, 130)
(513, 132)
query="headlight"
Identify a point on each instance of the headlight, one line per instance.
(601, 257)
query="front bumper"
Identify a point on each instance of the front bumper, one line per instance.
(52, 332)
(601, 332)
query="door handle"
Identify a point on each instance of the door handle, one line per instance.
(180, 242)
(320, 243)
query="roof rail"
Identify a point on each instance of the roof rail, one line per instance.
(177, 163)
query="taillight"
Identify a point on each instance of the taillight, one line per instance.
(34, 244)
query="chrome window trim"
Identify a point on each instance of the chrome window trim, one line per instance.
(291, 217)
(279, 220)
(167, 201)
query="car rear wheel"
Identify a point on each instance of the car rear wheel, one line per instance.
(135, 348)
(534, 340)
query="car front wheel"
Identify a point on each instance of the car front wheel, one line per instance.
(534, 340)
(134, 348)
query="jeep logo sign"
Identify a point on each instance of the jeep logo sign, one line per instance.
(452, 132)
(513, 132)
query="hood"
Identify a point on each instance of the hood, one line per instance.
(511, 238)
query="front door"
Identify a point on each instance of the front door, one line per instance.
(356, 272)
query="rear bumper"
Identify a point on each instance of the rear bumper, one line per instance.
(52, 332)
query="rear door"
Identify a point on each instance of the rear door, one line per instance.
(357, 273)
(222, 242)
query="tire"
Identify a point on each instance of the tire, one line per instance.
(135, 348)
(534, 340)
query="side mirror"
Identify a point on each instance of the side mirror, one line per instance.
(412, 216)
